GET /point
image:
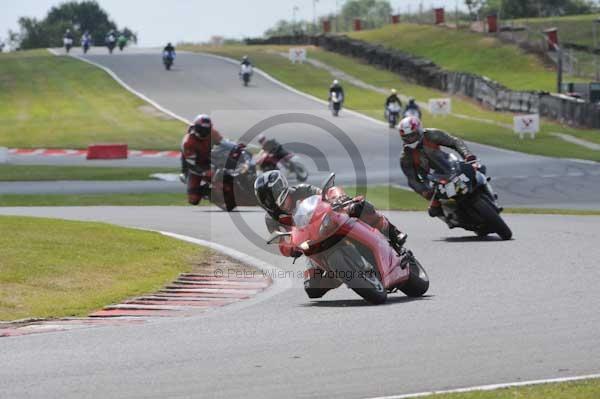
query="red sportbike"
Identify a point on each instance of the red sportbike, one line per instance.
(350, 251)
(287, 162)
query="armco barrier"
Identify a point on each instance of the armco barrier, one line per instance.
(107, 151)
(426, 73)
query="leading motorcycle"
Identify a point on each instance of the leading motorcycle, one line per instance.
(111, 42)
(392, 112)
(412, 112)
(68, 42)
(350, 251)
(85, 44)
(335, 103)
(245, 73)
(168, 59)
(468, 200)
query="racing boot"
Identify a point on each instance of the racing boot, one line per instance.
(396, 237)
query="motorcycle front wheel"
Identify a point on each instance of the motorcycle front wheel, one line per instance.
(351, 269)
(492, 218)
(418, 281)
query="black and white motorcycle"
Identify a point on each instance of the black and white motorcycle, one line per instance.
(335, 103)
(467, 199)
(246, 73)
(392, 113)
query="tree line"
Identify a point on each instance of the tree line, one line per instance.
(79, 17)
(509, 9)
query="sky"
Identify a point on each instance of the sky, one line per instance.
(160, 21)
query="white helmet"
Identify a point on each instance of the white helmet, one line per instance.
(336, 82)
(261, 138)
(411, 131)
(393, 91)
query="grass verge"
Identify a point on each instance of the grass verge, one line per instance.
(577, 29)
(59, 102)
(53, 173)
(584, 389)
(315, 81)
(152, 199)
(56, 268)
(465, 51)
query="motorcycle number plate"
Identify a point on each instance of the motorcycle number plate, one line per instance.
(450, 190)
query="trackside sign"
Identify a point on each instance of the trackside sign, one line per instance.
(440, 106)
(297, 54)
(526, 124)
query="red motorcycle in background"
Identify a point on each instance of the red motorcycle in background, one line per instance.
(287, 162)
(351, 251)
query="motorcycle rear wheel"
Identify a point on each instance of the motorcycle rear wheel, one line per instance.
(492, 218)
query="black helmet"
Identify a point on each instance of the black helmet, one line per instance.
(411, 101)
(271, 190)
(202, 125)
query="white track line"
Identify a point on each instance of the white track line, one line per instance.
(491, 387)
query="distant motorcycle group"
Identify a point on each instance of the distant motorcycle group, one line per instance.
(346, 240)
(112, 40)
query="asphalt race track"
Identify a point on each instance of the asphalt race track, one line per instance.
(200, 83)
(496, 312)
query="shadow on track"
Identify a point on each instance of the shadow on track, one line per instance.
(489, 238)
(257, 210)
(361, 302)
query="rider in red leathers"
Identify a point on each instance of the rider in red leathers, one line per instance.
(279, 200)
(195, 156)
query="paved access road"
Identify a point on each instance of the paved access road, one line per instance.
(200, 83)
(496, 312)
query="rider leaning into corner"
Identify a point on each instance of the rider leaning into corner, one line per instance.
(272, 146)
(195, 156)
(422, 152)
(275, 196)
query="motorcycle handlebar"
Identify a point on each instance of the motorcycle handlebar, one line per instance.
(340, 205)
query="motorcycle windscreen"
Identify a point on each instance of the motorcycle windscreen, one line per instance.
(305, 210)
